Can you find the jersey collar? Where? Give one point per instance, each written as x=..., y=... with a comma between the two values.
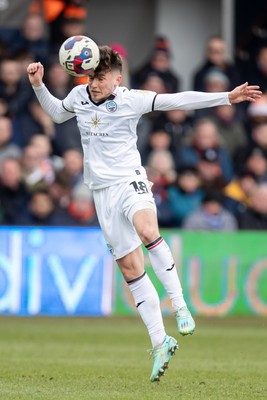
x=111, y=97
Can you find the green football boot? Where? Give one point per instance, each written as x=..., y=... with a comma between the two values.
x=185, y=322
x=161, y=355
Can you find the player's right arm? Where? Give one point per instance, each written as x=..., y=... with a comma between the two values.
x=49, y=103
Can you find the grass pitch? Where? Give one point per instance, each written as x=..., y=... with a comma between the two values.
x=105, y=358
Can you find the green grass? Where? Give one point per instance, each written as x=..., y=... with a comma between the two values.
x=94, y=358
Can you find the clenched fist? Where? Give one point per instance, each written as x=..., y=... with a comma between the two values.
x=36, y=73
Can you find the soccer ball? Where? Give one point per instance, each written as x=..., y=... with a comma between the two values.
x=79, y=55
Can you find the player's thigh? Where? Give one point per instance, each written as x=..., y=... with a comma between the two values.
x=146, y=225
x=138, y=196
x=141, y=210
x=119, y=233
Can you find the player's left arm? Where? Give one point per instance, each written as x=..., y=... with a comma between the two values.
x=191, y=100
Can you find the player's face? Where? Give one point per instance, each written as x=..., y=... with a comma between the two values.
x=102, y=85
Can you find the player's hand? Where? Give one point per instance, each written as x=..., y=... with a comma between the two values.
x=244, y=92
x=35, y=73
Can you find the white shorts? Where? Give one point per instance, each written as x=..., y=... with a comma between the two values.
x=115, y=207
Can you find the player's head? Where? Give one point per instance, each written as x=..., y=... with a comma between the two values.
x=107, y=76
x=110, y=60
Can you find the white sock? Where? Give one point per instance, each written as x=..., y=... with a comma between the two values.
x=147, y=302
x=163, y=264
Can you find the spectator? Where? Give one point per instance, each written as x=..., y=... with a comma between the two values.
x=7, y=148
x=258, y=70
x=255, y=217
x=237, y=194
x=205, y=152
x=216, y=56
x=159, y=139
x=211, y=216
x=154, y=82
x=231, y=128
x=41, y=211
x=71, y=27
x=33, y=37
x=210, y=170
x=161, y=162
x=57, y=14
x=185, y=194
x=257, y=144
x=10, y=85
x=256, y=162
x=73, y=166
x=161, y=172
x=44, y=148
x=24, y=57
x=17, y=94
x=159, y=63
x=257, y=112
x=214, y=81
x=178, y=123
x=13, y=194
x=12, y=15
x=37, y=172
x=81, y=207
x=60, y=190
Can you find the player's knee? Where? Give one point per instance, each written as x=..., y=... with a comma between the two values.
x=148, y=234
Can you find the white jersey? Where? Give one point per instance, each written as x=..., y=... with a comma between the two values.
x=108, y=128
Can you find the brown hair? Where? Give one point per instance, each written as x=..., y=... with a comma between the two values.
x=109, y=60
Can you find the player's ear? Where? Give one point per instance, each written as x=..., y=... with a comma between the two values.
x=118, y=79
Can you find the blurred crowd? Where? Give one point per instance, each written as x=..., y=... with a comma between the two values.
x=208, y=167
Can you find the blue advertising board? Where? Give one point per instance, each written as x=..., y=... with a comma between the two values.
x=55, y=271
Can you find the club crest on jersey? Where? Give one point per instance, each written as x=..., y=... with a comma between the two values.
x=111, y=106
